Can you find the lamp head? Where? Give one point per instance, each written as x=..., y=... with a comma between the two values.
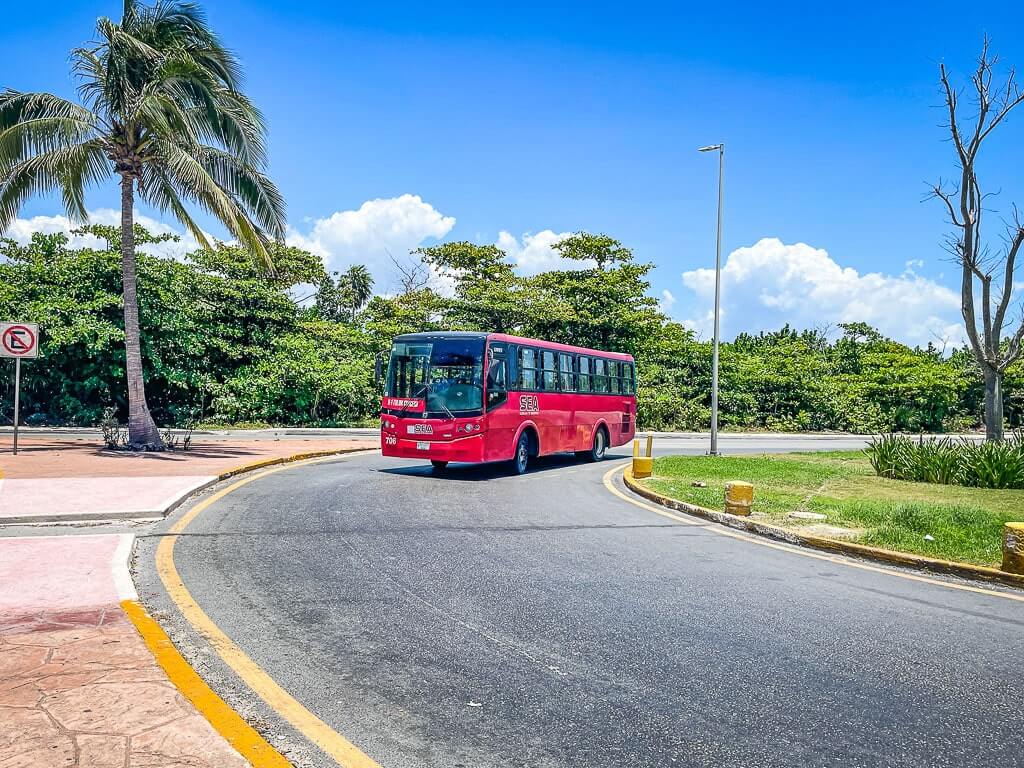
x=711, y=148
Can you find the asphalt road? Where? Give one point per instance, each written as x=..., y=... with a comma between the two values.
x=480, y=619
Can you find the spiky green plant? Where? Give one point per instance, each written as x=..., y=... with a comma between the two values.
x=162, y=110
x=997, y=464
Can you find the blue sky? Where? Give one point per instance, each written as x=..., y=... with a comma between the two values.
x=557, y=117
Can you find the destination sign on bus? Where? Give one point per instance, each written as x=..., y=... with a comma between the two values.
x=405, y=404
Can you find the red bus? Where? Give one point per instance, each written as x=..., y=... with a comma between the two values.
x=481, y=397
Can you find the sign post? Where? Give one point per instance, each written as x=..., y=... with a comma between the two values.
x=18, y=340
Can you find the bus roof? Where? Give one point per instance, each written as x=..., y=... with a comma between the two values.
x=429, y=335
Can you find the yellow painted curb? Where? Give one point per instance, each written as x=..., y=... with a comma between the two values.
x=343, y=751
x=264, y=463
x=920, y=562
x=228, y=723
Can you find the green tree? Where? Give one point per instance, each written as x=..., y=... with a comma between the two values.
x=489, y=295
x=201, y=320
x=359, y=283
x=164, y=113
x=606, y=306
x=320, y=373
x=341, y=295
x=286, y=267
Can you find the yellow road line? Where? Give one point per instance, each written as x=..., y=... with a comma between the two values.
x=344, y=752
x=763, y=542
x=228, y=723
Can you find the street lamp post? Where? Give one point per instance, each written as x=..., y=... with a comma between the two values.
x=718, y=294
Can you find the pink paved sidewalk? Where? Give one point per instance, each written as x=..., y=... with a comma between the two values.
x=78, y=687
x=87, y=498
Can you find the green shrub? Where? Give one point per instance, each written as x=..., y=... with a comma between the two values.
x=994, y=465
x=949, y=462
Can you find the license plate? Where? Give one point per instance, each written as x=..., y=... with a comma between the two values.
x=422, y=446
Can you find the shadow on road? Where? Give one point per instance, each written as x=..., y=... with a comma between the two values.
x=477, y=472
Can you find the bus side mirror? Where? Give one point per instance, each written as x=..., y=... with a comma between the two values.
x=378, y=370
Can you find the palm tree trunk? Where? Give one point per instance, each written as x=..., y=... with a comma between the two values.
x=142, y=432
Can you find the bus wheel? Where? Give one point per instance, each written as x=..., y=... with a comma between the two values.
x=598, y=449
x=522, y=457
x=439, y=466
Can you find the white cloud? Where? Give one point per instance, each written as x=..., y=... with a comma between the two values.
x=367, y=235
x=667, y=301
x=534, y=253
x=21, y=231
x=771, y=283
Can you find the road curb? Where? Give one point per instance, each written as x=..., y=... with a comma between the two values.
x=252, y=467
x=344, y=752
x=218, y=713
x=918, y=562
x=179, y=499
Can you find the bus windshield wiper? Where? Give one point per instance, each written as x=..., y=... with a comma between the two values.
x=405, y=409
x=428, y=388
x=446, y=410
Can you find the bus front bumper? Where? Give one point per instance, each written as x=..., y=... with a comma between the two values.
x=469, y=449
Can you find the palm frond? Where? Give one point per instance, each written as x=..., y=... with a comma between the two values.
x=165, y=109
x=253, y=189
x=190, y=177
x=47, y=172
x=157, y=189
x=82, y=168
x=170, y=25
x=38, y=123
x=18, y=106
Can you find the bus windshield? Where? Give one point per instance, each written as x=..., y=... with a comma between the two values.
x=447, y=373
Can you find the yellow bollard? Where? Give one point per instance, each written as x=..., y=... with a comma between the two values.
x=739, y=497
x=1013, y=548
x=643, y=466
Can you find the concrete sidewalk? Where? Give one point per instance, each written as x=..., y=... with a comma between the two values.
x=56, y=480
x=78, y=686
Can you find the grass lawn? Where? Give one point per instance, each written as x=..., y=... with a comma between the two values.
x=965, y=523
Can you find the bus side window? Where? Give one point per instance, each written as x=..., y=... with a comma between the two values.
x=527, y=369
x=565, y=373
x=549, y=364
x=614, y=374
x=497, y=386
x=628, y=382
x=600, y=375
x=583, y=380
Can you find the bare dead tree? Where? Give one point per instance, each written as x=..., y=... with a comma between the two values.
x=987, y=275
x=940, y=341
x=413, y=274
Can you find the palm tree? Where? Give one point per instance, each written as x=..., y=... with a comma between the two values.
x=359, y=284
x=162, y=111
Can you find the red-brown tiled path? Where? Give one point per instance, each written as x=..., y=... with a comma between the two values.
x=78, y=687
x=41, y=457
x=55, y=480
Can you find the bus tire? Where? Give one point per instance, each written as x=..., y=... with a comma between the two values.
x=521, y=458
x=599, y=447
x=439, y=466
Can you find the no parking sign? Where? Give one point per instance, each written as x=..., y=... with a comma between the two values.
x=18, y=340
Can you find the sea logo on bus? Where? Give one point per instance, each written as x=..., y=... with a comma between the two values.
x=529, y=404
x=421, y=429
